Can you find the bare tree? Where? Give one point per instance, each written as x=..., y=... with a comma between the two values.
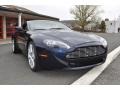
x=85, y=14
x=102, y=26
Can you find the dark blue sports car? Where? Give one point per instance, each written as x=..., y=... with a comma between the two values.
x=50, y=44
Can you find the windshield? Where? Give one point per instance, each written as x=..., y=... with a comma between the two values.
x=46, y=25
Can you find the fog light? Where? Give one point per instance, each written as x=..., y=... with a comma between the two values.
x=68, y=56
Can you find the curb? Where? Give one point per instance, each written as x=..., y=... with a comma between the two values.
x=5, y=43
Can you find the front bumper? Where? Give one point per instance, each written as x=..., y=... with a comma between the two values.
x=83, y=63
x=54, y=61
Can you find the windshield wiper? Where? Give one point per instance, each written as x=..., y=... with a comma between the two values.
x=40, y=29
x=56, y=28
x=49, y=29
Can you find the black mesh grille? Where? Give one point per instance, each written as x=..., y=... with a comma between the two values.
x=86, y=52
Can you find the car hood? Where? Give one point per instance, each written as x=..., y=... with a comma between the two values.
x=70, y=37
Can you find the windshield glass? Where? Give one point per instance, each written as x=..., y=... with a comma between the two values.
x=46, y=25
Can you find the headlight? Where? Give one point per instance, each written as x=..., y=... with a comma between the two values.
x=103, y=41
x=55, y=43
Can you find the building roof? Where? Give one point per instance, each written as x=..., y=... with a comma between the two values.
x=69, y=21
x=18, y=9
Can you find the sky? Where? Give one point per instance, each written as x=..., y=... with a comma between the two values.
x=61, y=8
x=63, y=12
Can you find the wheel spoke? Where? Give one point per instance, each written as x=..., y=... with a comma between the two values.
x=29, y=56
x=13, y=45
x=31, y=48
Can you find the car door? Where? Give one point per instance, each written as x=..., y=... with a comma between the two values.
x=22, y=38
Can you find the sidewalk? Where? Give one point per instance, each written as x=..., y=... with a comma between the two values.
x=7, y=41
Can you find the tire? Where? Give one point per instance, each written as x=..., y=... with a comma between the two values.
x=15, y=48
x=33, y=57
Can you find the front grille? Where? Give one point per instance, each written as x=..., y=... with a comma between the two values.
x=86, y=52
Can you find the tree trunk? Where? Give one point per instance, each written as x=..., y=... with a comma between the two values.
x=83, y=27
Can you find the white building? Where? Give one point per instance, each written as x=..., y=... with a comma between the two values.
x=113, y=26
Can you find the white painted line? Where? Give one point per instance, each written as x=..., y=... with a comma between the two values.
x=91, y=75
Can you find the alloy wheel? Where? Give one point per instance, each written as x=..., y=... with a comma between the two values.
x=31, y=56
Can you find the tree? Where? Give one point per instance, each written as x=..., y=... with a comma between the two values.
x=85, y=14
x=103, y=26
x=97, y=23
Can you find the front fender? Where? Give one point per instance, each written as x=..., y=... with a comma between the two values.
x=38, y=41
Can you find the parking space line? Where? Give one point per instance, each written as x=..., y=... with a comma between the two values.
x=91, y=75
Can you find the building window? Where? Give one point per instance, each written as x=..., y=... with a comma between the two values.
x=119, y=29
x=10, y=25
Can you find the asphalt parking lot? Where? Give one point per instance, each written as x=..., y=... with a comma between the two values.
x=14, y=68
x=111, y=76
